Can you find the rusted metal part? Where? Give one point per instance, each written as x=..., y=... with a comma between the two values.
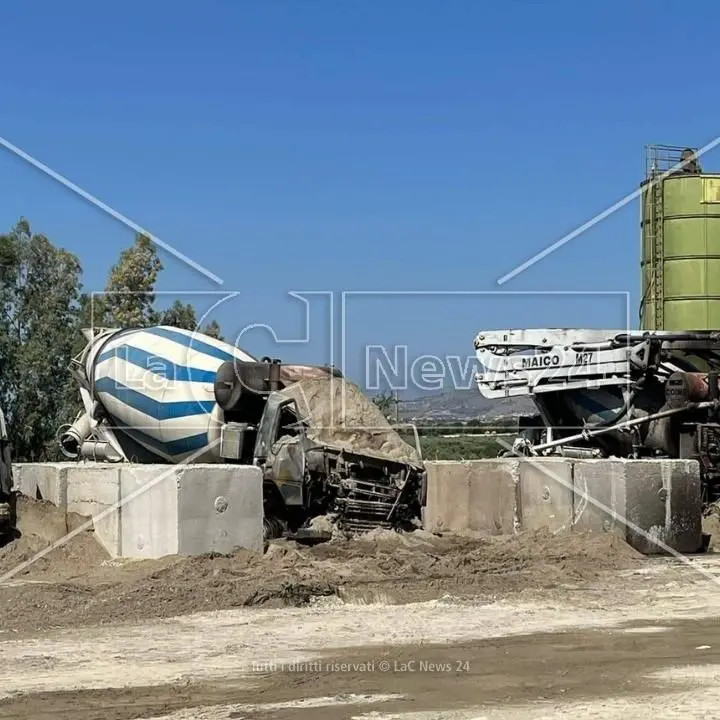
x=689, y=387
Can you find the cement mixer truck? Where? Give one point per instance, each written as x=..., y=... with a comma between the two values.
x=166, y=395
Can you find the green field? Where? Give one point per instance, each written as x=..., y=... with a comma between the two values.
x=463, y=441
x=468, y=447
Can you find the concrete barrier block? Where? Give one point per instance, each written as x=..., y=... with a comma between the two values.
x=545, y=494
x=663, y=501
x=448, y=497
x=685, y=533
x=644, y=501
x=190, y=510
x=599, y=495
x=42, y=481
x=148, y=527
x=23, y=481
x=220, y=509
x=645, y=505
x=477, y=495
x=492, y=496
x=93, y=490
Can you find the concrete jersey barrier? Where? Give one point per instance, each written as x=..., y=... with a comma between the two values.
x=149, y=511
x=644, y=501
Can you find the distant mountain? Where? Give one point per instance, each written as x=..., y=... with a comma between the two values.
x=463, y=405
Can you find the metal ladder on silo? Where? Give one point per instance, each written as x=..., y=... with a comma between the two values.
x=659, y=160
x=658, y=275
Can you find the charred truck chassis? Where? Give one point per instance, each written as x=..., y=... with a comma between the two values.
x=304, y=478
x=611, y=393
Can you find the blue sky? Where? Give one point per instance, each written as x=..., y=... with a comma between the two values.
x=357, y=146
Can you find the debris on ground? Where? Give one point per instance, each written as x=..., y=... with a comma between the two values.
x=78, y=582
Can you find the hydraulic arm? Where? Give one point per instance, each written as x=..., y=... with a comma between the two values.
x=603, y=393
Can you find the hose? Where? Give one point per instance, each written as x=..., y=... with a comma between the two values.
x=587, y=434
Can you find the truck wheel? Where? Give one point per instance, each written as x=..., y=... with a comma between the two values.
x=272, y=528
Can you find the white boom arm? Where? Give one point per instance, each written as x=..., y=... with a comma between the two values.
x=527, y=362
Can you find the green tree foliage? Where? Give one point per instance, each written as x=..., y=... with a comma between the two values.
x=468, y=447
x=179, y=315
x=92, y=313
x=131, y=286
x=40, y=301
x=386, y=402
x=212, y=329
x=463, y=440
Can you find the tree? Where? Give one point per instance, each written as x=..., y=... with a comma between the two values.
x=179, y=315
x=10, y=270
x=39, y=297
x=131, y=285
x=212, y=329
x=387, y=404
x=92, y=313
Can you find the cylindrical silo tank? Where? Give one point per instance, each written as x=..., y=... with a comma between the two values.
x=157, y=385
x=680, y=255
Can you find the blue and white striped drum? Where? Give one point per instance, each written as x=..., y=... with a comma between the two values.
x=157, y=385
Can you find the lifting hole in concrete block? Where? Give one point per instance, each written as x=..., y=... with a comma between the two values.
x=545, y=494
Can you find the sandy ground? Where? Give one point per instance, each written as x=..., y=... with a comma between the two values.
x=404, y=627
x=78, y=583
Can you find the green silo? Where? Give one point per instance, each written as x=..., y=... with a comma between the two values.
x=680, y=258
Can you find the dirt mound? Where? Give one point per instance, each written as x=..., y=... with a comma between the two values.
x=340, y=414
x=41, y=525
x=76, y=583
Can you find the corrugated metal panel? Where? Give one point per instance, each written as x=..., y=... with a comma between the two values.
x=681, y=254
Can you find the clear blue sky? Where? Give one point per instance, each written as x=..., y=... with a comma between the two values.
x=336, y=145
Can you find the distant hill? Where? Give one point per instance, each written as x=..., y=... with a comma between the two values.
x=463, y=405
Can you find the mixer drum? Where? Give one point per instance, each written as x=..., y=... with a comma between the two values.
x=157, y=387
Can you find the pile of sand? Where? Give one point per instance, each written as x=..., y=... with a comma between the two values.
x=77, y=583
x=340, y=414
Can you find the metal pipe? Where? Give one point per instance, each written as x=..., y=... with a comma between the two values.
x=99, y=451
x=581, y=453
x=628, y=338
x=587, y=434
x=274, y=375
x=72, y=439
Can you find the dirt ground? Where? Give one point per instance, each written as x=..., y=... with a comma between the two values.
x=406, y=627
x=78, y=583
